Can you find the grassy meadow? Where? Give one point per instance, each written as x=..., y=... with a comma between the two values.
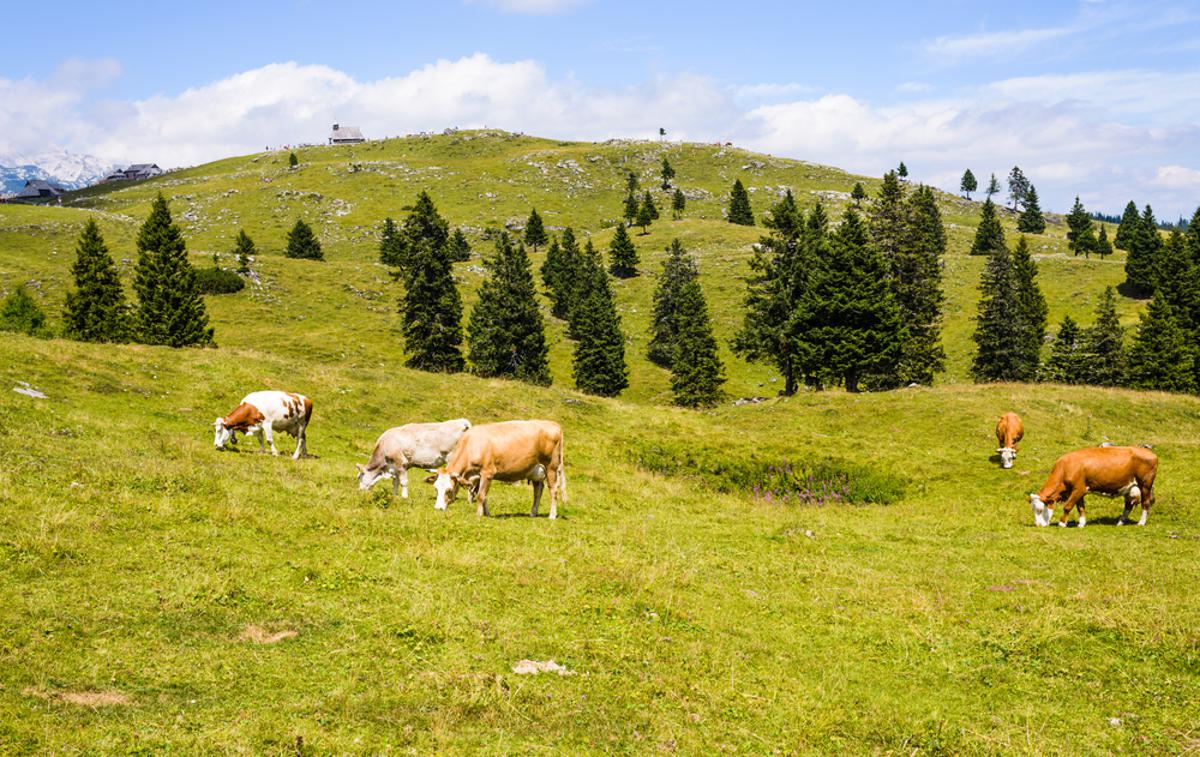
x=158, y=596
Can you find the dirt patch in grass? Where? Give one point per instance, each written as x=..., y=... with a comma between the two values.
x=81, y=698
x=260, y=635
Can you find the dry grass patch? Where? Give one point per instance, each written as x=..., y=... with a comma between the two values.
x=81, y=698
x=260, y=635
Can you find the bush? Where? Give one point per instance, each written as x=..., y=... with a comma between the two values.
x=218, y=281
x=20, y=312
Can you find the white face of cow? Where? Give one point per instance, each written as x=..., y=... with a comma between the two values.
x=1041, y=513
x=1008, y=456
x=368, y=478
x=446, y=486
x=221, y=435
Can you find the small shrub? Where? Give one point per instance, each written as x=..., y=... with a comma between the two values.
x=218, y=281
x=20, y=312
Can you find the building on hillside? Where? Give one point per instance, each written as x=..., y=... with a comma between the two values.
x=345, y=135
x=135, y=172
x=38, y=191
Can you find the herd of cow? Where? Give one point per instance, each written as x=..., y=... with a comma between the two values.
x=459, y=455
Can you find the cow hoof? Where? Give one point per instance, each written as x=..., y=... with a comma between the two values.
x=1062, y=523
x=1082, y=523
x=1120, y=522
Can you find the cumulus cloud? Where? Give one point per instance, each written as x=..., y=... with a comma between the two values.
x=955, y=46
x=1177, y=177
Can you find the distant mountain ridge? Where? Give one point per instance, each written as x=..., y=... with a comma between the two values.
x=61, y=167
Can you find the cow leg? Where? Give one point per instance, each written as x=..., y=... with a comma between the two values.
x=301, y=446
x=1147, y=500
x=1129, y=502
x=270, y=436
x=481, y=508
x=1076, y=496
x=538, y=486
x=403, y=480
x=552, y=481
x=262, y=445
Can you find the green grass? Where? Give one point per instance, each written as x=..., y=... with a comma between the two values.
x=695, y=616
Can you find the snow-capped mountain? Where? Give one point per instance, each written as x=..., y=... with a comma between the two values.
x=62, y=167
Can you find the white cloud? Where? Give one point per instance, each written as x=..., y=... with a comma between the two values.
x=914, y=87
x=1177, y=177
x=531, y=6
x=768, y=91
x=955, y=46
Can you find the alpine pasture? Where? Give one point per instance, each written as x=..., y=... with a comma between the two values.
x=157, y=595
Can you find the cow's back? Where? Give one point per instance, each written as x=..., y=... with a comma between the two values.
x=1009, y=429
x=1108, y=469
x=507, y=448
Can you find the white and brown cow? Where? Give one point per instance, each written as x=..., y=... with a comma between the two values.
x=264, y=413
x=1111, y=471
x=413, y=445
x=1009, y=431
x=508, y=451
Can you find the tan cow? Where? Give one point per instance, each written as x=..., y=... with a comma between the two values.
x=1111, y=471
x=1009, y=431
x=508, y=451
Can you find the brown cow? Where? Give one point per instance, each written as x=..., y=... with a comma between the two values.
x=508, y=451
x=1127, y=471
x=1009, y=431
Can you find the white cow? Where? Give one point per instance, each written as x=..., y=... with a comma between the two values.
x=263, y=413
x=414, y=445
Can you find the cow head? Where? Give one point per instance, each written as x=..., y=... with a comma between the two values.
x=446, y=484
x=1041, y=513
x=222, y=435
x=1008, y=456
x=368, y=477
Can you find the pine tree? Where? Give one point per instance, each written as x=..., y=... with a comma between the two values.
x=1191, y=238
x=460, y=248
x=1162, y=357
x=678, y=270
x=623, y=255
x=505, y=332
x=1177, y=283
x=581, y=281
x=645, y=216
x=1032, y=310
x=391, y=247
x=858, y=194
x=1080, y=238
x=989, y=235
x=993, y=187
x=95, y=310
x=1141, y=264
x=20, y=313
x=631, y=182
x=648, y=202
x=422, y=224
x=170, y=308
x=999, y=333
x=599, y=361
x=697, y=374
x=293, y=161
x=850, y=314
x=968, y=184
x=302, y=243
x=1018, y=187
x=1032, y=221
x=739, y=205
x=560, y=272
x=1103, y=247
x=1102, y=354
x=678, y=204
x=668, y=173
x=887, y=220
x=535, y=233
x=902, y=171
x=630, y=212
x=431, y=311
x=1063, y=367
x=917, y=285
x=1130, y=220
x=243, y=250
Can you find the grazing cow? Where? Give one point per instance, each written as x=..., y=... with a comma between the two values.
x=1009, y=431
x=264, y=413
x=509, y=451
x=421, y=445
x=1111, y=471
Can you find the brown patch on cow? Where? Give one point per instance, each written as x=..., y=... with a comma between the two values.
x=81, y=698
x=260, y=635
x=243, y=417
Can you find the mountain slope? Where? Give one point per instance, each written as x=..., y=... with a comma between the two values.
x=62, y=168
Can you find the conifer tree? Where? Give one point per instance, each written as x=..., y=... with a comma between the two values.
x=1063, y=365
x=668, y=173
x=551, y=271
x=887, y=220
x=1177, y=283
x=631, y=182
x=20, y=313
x=1141, y=264
x=293, y=161
x=697, y=374
x=645, y=216
x=678, y=269
x=858, y=194
x=460, y=248
x=999, y=332
x=1103, y=247
x=1018, y=186
x=1102, y=354
x=302, y=243
x=431, y=311
x=560, y=273
x=993, y=187
x=630, y=212
x=1130, y=220
x=917, y=285
x=1032, y=310
x=1031, y=221
x=850, y=315
x=422, y=224
x=599, y=361
x=678, y=204
x=968, y=184
x=505, y=332
x=1080, y=237
x=243, y=250
x=1191, y=238
x=739, y=205
x=95, y=310
x=582, y=279
x=989, y=235
x=1162, y=356
x=170, y=308
x=648, y=201
x=535, y=232
x=391, y=252
x=623, y=255
x=902, y=171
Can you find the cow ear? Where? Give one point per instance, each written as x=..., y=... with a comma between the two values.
x=431, y=478
x=361, y=468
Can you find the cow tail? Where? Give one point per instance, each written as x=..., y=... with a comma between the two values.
x=562, y=466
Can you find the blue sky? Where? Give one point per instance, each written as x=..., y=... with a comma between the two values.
x=1096, y=98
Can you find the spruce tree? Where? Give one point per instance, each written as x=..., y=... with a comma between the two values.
x=1162, y=356
x=422, y=224
x=850, y=313
x=993, y=187
x=460, y=248
x=668, y=173
x=560, y=273
x=293, y=161
x=697, y=374
x=902, y=171
x=1103, y=247
x=888, y=220
x=1177, y=283
x=678, y=204
x=599, y=361
x=630, y=212
x=739, y=205
x=989, y=235
x=1063, y=365
x=20, y=313
x=431, y=311
x=648, y=201
x=95, y=309
x=1130, y=220
x=645, y=216
x=535, y=233
x=1018, y=186
x=678, y=269
x=1141, y=264
x=1102, y=353
x=917, y=286
x=1031, y=221
x=1191, y=238
x=999, y=332
x=302, y=244
x=170, y=308
x=623, y=255
x=968, y=184
x=243, y=250
x=391, y=248
x=582, y=280
x=631, y=182
x=1032, y=310
x=505, y=332
x=1080, y=238
x=858, y=194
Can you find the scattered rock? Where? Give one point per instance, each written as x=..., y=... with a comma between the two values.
x=748, y=401
x=533, y=667
x=260, y=635
x=1114, y=722
x=29, y=391
x=810, y=534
